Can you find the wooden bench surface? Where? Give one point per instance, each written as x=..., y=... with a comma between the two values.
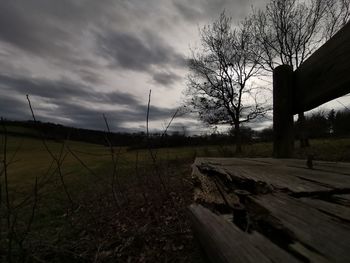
x=286, y=213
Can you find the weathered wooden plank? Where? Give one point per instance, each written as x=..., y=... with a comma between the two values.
x=223, y=162
x=323, y=233
x=281, y=174
x=343, y=199
x=230, y=199
x=205, y=190
x=325, y=75
x=316, y=176
x=336, y=210
x=332, y=180
x=311, y=256
x=212, y=191
x=337, y=167
x=317, y=226
x=323, y=173
x=224, y=242
x=333, y=167
x=256, y=177
x=279, y=179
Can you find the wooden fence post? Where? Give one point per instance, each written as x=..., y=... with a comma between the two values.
x=283, y=84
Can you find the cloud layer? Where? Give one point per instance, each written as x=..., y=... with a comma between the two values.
x=79, y=59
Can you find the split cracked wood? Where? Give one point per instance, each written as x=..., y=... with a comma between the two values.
x=216, y=235
x=292, y=210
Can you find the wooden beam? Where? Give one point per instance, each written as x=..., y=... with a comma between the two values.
x=320, y=231
x=325, y=75
x=223, y=242
x=283, y=83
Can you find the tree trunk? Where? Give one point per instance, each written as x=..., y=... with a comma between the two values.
x=303, y=136
x=238, y=138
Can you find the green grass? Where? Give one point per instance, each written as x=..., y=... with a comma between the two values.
x=22, y=130
x=32, y=160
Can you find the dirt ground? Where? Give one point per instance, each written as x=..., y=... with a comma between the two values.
x=149, y=223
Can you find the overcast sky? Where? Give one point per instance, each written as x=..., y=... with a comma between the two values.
x=78, y=59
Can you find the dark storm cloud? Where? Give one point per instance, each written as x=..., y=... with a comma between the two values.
x=21, y=28
x=137, y=52
x=74, y=101
x=13, y=108
x=38, y=87
x=90, y=76
x=88, y=117
x=189, y=12
x=63, y=89
x=200, y=10
x=165, y=78
x=58, y=32
x=47, y=26
x=86, y=40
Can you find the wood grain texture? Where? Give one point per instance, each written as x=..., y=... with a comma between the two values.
x=223, y=242
x=343, y=199
x=319, y=231
x=289, y=210
x=297, y=180
x=325, y=75
x=205, y=190
x=329, y=208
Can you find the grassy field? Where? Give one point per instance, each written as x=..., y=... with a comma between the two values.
x=82, y=209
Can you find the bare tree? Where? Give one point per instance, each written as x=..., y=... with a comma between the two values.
x=289, y=31
x=337, y=16
x=221, y=70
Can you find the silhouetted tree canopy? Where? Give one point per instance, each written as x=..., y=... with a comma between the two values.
x=221, y=70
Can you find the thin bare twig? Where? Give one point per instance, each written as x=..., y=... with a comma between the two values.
x=57, y=160
x=115, y=179
x=166, y=128
x=7, y=196
x=152, y=154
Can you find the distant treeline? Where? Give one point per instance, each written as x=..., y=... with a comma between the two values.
x=58, y=132
x=331, y=123
x=319, y=125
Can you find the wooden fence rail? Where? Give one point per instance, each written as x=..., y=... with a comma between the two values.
x=324, y=76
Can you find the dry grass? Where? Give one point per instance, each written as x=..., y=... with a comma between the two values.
x=149, y=223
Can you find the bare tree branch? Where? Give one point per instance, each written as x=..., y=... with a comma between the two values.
x=220, y=72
